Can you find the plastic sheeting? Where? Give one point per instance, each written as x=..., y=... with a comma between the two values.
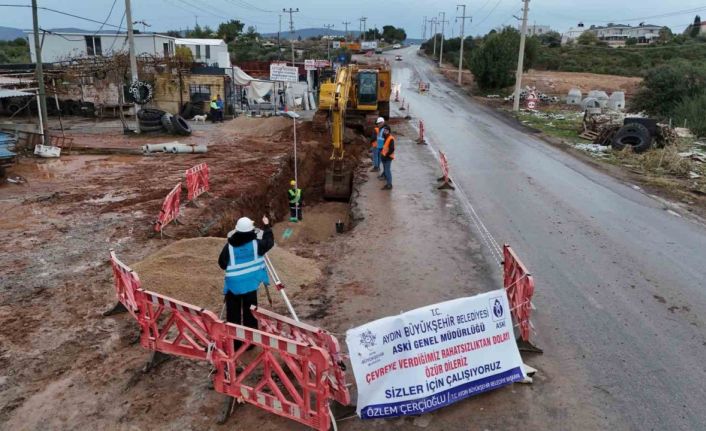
x=256, y=88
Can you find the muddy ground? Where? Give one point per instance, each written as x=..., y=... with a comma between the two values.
x=63, y=365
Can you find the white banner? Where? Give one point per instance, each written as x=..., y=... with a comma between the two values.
x=336, y=44
x=310, y=64
x=428, y=358
x=282, y=72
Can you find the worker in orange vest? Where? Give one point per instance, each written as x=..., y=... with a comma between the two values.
x=387, y=155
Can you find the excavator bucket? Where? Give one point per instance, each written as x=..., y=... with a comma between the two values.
x=339, y=183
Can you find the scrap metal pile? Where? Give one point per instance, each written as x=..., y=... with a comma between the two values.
x=639, y=133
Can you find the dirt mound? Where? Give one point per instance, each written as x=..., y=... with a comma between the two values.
x=188, y=270
x=259, y=127
x=318, y=224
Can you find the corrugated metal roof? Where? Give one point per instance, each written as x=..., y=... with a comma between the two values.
x=13, y=93
x=200, y=42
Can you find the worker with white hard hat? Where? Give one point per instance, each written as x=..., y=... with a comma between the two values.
x=376, y=143
x=242, y=258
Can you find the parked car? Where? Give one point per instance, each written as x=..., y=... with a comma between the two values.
x=378, y=50
x=396, y=46
x=398, y=58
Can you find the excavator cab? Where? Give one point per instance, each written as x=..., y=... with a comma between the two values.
x=367, y=90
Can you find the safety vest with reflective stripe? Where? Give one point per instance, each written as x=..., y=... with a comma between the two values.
x=295, y=195
x=386, y=148
x=245, y=270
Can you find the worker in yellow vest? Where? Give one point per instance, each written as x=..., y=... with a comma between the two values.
x=294, y=195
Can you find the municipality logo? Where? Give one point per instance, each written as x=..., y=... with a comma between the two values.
x=498, y=309
x=367, y=339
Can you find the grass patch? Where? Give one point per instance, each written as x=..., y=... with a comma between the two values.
x=554, y=122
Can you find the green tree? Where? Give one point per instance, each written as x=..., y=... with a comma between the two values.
x=587, y=38
x=493, y=63
x=631, y=41
x=392, y=34
x=667, y=85
x=373, y=34
x=200, y=32
x=551, y=39
x=665, y=35
x=230, y=30
x=691, y=110
x=695, y=27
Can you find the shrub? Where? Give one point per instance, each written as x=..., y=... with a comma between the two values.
x=666, y=86
x=692, y=109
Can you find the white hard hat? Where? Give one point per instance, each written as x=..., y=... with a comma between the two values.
x=380, y=120
x=244, y=224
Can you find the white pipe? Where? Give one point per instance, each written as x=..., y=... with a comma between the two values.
x=41, y=123
x=174, y=148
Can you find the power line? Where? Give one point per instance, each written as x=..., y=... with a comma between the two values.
x=487, y=16
x=60, y=13
x=110, y=12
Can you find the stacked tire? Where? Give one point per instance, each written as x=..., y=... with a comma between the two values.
x=633, y=135
x=156, y=120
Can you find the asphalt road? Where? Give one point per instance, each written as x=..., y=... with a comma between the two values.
x=621, y=281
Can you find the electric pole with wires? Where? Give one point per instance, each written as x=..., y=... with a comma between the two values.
x=441, y=49
x=362, y=20
x=463, y=19
x=41, y=95
x=133, y=59
x=345, y=35
x=433, y=29
x=328, y=40
x=291, y=13
x=520, y=58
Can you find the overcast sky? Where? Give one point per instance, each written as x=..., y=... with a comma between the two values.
x=264, y=14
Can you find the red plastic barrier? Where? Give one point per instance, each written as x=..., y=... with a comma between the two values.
x=197, y=181
x=126, y=283
x=287, y=378
x=444, y=162
x=292, y=373
x=175, y=327
x=421, y=132
x=170, y=208
x=519, y=285
x=313, y=336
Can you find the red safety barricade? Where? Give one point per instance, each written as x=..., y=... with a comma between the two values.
x=313, y=336
x=519, y=285
x=292, y=375
x=421, y=140
x=174, y=327
x=197, y=181
x=287, y=377
x=126, y=283
x=170, y=208
x=444, y=162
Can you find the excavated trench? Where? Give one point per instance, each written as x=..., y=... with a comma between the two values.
x=313, y=153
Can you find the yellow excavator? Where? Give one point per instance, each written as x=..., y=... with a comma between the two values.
x=355, y=97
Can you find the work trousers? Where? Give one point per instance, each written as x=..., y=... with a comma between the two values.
x=387, y=170
x=295, y=211
x=238, y=309
x=214, y=115
x=376, y=157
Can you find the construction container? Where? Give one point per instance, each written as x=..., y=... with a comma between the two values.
x=574, y=97
x=616, y=102
x=600, y=96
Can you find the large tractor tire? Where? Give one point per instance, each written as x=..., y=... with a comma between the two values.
x=634, y=135
x=181, y=127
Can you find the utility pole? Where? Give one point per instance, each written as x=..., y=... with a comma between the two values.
x=362, y=20
x=424, y=29
x=279, y=45
x=40, y=75
x=133, y=59
x=328, y=40
x=520, y=58
x=291, y=27
x=463, y=19
x=441, y=50
x=433, y=26
x=345, y=36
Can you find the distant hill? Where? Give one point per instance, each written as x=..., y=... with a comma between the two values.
x=306, y=33
x=9, y=33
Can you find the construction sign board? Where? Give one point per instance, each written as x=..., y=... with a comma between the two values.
x=428, y=358
x=282, y=72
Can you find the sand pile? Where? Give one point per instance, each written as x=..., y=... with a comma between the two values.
x=260, y=127
x=188, y=270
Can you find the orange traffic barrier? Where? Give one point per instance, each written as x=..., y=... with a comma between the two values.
x=444, y=162
x=197, y=181
x=170, y=209
x=519, y=286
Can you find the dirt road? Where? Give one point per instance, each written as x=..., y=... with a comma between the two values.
x=620, y=278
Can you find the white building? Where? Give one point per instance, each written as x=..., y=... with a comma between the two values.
x=59, y=46
x=617, y=35
x=213, y=52
x=536, y=30
x=572, y=33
